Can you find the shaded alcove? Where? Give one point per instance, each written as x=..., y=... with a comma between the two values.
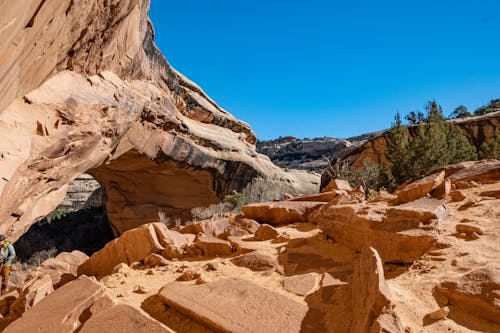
x=137, y=188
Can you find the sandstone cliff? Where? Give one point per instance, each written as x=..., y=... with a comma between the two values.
x=83, y=88
x=477, y=129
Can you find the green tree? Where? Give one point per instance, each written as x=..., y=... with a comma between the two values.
x=491, y=149
x=435, y=144
x=460, y=112
x=415, y=117
x=434, y=111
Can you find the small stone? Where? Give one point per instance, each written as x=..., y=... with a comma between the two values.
x=211, y=266
x=265, y=232
x=442, y=313
x=454, y=262
x=156, y=260
x=150, y=272
x=121, y=268
x=282, y=249
x=202, y=278
x=140, y=290
x=123, y=294
x=474, y=236
x=302, y=285
x=188, y=275
x=469, y=229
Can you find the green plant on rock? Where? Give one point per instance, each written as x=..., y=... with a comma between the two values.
x=235, y=200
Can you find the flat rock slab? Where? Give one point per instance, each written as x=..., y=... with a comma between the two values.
x=59, y=311
x=419, y=188
x=303, y=284
x=122, y=318
x=320, y=197
x=283, y=212
x=235, y=305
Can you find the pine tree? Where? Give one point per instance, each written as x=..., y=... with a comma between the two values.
x=491, y=149
x=398, y=150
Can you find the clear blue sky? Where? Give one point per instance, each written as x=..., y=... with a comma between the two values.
x=333, y=68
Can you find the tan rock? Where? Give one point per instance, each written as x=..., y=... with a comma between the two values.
x=213, y=247
x=133, y=245
x=476, y=294
x=457, y=195
x=265, y=232
x=439, y=314
x=118, y=318
x=302, y=285
x=175, y=244
x=399, y=233
x=485, y=172
x=320, y=197
x=59, y=311
x=255, y=261
x=278, y=213
x=188, y=275
x=337, y=184
x=442, y=191
x=32, y=293
x=232, y=305
x=419, y=188
x=155, y=260
x=222, y=227
x=469, y=229
x=202, y=278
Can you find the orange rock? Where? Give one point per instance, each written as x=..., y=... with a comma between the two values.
x=399, y=233
x=155, y=260
x=213, y=247
x=133, y=245
x=475, y=294
x=303, y=284
x=442, y=191
x=265, y=232
x=337, y=184
x=485, y=172
x=108, y=316
x=320, y=197
x=255, y=261
x=419, y=188
x=60, y=311
x=222, y=227
x=457, y=195
x=175, y=244
x=235, y=305
x=31, y=294
x=277, y=213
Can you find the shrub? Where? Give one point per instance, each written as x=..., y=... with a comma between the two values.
x=491, y=149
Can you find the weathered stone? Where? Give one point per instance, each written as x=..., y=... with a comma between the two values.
x=188, y=275
x=222, y=227
x=485, y=172
x=419, y=188
x=133, y=245
x=232, y=305
x=60, y=311
x=302, y=285
x=32, y=293
x=320, y=197
x=155, y=260
x=277, y=213
x=442, y=191
x=469, y=229
x=109, y=316
x=265, y=232
x=255, y=261
x=213, y=247
x=399, y=233
x=337, y=184
x=439, y=314
x=457, y=195
x=476, y=294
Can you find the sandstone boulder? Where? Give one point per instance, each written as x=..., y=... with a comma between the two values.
x=419, y=188
x=278, y=213
x=175, y=244
x=233, y=305
x=476, y=294
x=399, y=233
x=222, y=227
x=134, y=245
x=61, y=310
x=213, y=247
x=337, y=184
x=155, y=260
x=320, y=197
x=265, y=232
x=108, y=316
x=31, y=294
x=484, y=172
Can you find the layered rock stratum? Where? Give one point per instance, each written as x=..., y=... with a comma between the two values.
x=83, y=88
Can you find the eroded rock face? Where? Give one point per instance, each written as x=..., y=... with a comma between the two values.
x=84, y=88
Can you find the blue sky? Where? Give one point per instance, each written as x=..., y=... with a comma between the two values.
x=333, y=68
